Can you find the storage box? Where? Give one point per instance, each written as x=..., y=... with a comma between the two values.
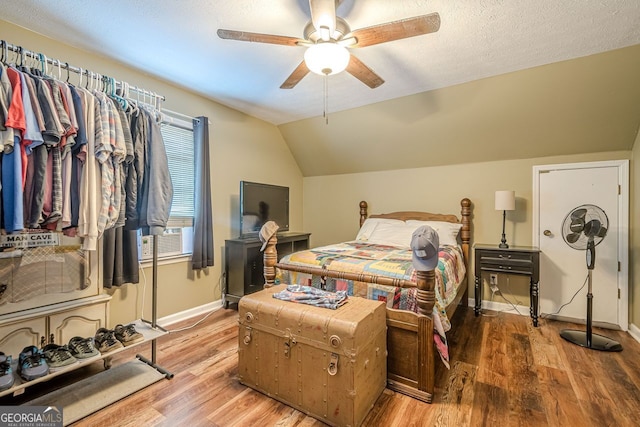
x=330, y=364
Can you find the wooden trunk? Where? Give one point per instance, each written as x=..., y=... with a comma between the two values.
x=330, y=364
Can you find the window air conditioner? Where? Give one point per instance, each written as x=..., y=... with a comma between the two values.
x=169, y=244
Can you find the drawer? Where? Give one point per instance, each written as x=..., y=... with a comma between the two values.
x=505, y=258
x=513, y=262
x=512, y=269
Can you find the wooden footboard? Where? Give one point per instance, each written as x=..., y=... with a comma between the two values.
x=411, y=350
x=410, y=370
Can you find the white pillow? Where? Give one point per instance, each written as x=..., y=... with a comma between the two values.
x=393, y=234
x=370, y=224
x=447, y=231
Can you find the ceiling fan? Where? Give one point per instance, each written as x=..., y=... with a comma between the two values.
x=328, y=36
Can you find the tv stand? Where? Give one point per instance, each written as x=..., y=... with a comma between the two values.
x=244, y=263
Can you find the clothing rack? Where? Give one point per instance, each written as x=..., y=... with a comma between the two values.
x=125, y=89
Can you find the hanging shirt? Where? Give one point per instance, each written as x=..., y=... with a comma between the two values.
x=76, y=163
x=90, y=181
x=35, y=105
x=103, y=150
x=66, y=155
x=12, y=159
x=126, y=164
x=5, y=97
x=53, y=128
x=32, y=135
x=135, y=176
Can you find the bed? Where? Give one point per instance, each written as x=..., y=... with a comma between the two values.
x=412, y=350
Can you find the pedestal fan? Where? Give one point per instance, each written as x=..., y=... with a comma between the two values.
x=583, y=229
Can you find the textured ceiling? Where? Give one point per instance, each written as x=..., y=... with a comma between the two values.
x=177, y=41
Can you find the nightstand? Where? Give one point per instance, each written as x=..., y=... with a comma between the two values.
x=518, y=260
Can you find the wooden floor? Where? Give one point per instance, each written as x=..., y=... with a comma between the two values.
x=504, y=372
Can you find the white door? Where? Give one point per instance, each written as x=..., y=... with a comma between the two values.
x=558, y=189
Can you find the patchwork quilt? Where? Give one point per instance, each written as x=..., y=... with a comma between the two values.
x=392, y=261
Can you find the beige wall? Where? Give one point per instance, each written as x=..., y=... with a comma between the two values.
x=584, y=105
x=634, y=255
x=331, y=202
x=241, y=146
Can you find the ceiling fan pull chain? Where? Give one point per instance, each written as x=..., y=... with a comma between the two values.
x=326, y=99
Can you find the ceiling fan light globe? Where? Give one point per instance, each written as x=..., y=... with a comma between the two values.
x=326, y=59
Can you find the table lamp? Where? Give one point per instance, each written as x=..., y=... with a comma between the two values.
x=505, y=201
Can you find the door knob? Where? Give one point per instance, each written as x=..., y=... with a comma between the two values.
x=547, y=233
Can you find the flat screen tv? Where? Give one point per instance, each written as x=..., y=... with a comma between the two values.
x=260, y=203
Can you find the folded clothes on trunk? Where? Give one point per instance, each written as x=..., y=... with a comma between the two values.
x=312, y=296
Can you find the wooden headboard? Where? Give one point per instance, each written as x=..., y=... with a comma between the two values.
x=465, y=212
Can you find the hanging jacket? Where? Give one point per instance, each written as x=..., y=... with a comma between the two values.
x=159, y=189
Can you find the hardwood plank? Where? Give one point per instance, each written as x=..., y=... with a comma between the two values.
x=490, y=405
x=399, y=411
x=466, y=336
x=525, y=403
x=561, y=404
x=455, y=406
x=493, y=355
x=144, y=416
x=503, y=372
x=291, y=417
x=544, y=345
x=619, y=386
x=377, y=415
x=588, y=382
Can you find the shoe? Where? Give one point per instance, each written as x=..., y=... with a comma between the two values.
x=6, y=372
x=106, y=340
x=83, y=348
x=128, y=335
x=32, y=364
x=58, y=357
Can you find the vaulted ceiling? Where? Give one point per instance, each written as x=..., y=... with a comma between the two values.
x=497, y=80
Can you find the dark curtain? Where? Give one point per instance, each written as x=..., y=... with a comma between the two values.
x=203, y=229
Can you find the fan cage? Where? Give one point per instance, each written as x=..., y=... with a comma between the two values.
x=571, y=226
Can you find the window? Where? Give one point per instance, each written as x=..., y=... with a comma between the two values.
x=179, y=144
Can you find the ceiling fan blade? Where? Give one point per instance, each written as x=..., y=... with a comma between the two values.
x=397, y=30
x=347, y=42
x=259, y=38
x=295, y=77
x=363, y=73
x=323, y=16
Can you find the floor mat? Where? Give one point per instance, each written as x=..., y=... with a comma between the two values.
x=98, y=391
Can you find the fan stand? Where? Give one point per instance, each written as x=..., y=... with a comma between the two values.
x=586, y=338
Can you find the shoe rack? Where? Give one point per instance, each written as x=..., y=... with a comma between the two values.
x=21, y=385
x=91, y=394
x=60, y=322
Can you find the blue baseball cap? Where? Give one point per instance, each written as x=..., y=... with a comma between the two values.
x=425, y=245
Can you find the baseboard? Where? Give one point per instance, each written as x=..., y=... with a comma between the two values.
x=190, y=313
x=634, y=331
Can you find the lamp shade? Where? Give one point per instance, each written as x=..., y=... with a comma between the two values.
x=505, y=200
x=326, y=58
